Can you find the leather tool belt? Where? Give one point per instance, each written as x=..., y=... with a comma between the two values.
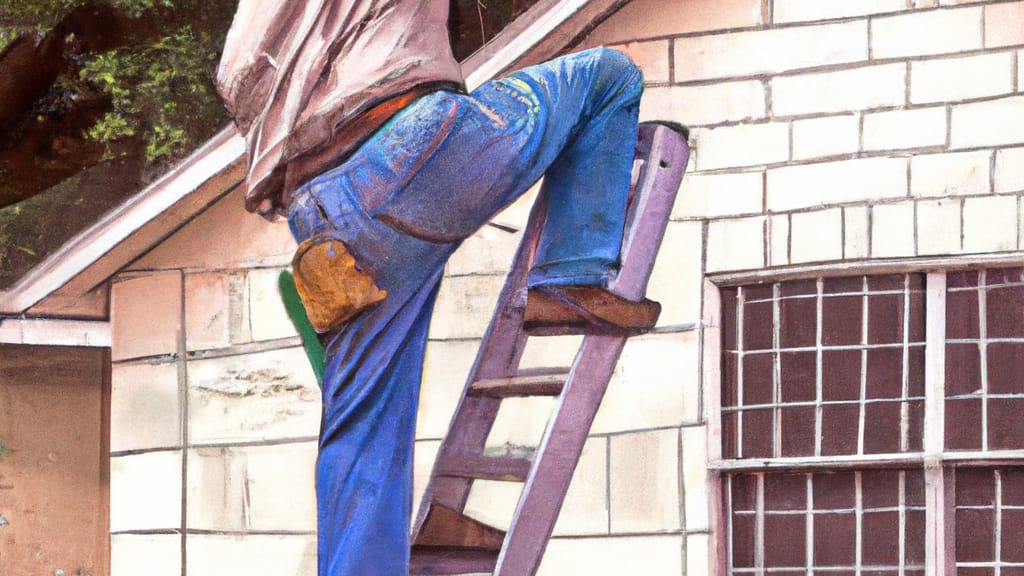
x=332, y=286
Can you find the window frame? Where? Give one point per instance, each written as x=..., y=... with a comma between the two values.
x=939, y=466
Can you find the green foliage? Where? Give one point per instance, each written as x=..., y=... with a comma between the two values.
x=315, y=352
x=4, y=451
x=48, y=12
x=157, y=90
x=159, y=82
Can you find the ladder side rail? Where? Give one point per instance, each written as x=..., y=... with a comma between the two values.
x=557, y=456
x=498, y=357
x=666, y=152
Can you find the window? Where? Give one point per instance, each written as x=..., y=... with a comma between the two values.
x=873, y=425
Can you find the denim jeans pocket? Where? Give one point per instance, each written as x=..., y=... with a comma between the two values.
x=449, y=165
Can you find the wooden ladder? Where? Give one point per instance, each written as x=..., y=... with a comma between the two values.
x=445, y=540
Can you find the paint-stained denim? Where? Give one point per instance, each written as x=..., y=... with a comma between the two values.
x=402, y=203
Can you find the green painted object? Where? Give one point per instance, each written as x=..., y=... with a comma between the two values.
x=292, y=303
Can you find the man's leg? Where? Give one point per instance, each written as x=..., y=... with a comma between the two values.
x=572, y=120
x=370, y=389
x=435, y=173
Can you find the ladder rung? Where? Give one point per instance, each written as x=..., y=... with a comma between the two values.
x=430, y=561
x=446, y=529
x=541, y=383
x=505, y=468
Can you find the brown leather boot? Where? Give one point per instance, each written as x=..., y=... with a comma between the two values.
x=554, y=310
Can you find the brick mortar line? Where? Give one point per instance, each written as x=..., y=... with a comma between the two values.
x=992, y=170
x=914, y=214
x=154, y=532
x=183, y=402
x=144, y=451
x=845, y=205
x=895, y=154
x=808, y=23
x=850, y=65
x=1017, y=224
x=766, y=238
x=671, y=59
x=245, y=349
x=1015, y=70
x=638, y=534
x=984, y=33
x=227, y=352
x=609, y=435
x=202, y=532
x=784, y=118
x=907, y=82
x=681, y=481
x=198, y=270
x=607, y=480
x=963, y=205
x=871, y=265
x=296, y=440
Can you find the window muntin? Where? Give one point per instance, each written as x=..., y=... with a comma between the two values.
x=826, y=367
x=985, y=360
x=966, y=368
x=990, y=521
x=871, y=522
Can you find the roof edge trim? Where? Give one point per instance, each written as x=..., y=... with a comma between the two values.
x=227, y=147
x=77, y=254
x=41, y=331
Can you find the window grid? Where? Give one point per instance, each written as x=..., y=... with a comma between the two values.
x=984, y=314
x=783, y=417
x=995, y=515
x=942, y=464
x=769, y=531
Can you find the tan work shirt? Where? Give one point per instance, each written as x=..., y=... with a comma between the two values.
x=295, y=74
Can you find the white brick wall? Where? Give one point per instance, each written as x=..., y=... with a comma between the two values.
x=938, y=227
x=861, y=88
x=807, y=10
x=736, y=244
x=701, y=105
x=934, y=32
x=919, y=128
x=892, y=230
x=816, y=236
x=824, y=131
x=827, y=136
x=951, y=174
x=840, y=182
x=1004, y=24
x=990, y=224
x=1009, y=172
x=856, y=228
x=767, y=51
x=993, y=123
x=961, y=78
x=744, y=145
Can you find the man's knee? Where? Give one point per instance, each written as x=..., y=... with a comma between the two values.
x=618, y=67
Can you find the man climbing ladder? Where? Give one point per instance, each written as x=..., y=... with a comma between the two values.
x=359, y=131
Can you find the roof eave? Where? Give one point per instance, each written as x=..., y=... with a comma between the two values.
x=548, y=28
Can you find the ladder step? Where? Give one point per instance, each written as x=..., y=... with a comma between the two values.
x=506, y=468
x=446, y=529
x=430, y=561
x=544, y=382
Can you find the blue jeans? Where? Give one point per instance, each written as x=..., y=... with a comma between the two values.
x=402, y=203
